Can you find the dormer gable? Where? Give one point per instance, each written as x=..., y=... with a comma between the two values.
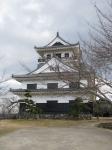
x=54, y=65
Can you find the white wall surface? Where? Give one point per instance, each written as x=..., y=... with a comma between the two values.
x=43, y=84
x=59, y=98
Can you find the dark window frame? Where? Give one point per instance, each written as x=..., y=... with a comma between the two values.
x=52, y=86
x=74, y=85
x=66, y=55
x=48, y=56
x=58, y=55
x=32, y=86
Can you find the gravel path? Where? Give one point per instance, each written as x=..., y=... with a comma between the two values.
x=73, y=138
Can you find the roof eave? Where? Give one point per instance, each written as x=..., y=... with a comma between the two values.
x=56, y=47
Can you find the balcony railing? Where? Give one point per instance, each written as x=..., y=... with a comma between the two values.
x=42, y=60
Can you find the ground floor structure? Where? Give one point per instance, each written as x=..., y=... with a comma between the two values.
x=56, y=101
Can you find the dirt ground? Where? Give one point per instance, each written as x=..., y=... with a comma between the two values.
x=85, y=136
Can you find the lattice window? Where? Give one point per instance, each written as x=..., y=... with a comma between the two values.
x=74, y=85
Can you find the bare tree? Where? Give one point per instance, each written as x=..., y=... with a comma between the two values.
x=6, y=106
x=9, y=105
x=99, y=47
x=98, y=51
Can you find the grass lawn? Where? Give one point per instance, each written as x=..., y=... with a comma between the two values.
x=7, y=126
x=38, y=123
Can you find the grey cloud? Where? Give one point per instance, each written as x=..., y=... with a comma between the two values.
x=25, y=23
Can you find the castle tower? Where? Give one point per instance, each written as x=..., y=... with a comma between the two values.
x=56, y=82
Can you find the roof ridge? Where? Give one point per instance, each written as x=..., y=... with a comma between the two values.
x=57, y=36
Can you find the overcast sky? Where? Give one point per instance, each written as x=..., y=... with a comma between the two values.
x=25, y=23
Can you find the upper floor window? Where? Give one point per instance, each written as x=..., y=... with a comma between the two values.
x=74, y=85
x=66, y=55
x=31, y=86
x=52, y=85
x=58, y=55
x=48, y=56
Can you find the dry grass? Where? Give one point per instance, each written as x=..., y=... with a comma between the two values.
x=107, y=125
x=6, y=131
x=7, y=126
x=41, y=123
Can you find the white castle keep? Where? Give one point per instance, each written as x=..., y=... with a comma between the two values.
x=58, y=77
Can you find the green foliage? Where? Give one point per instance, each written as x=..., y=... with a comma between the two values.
x=28, y=95
x=76, y=107
x=102, y=108
x=31, y=109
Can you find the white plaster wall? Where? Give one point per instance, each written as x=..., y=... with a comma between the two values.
x=60, y=98
x=45, y=98
x=84, y=83
x=43, y=84
x=48, y=70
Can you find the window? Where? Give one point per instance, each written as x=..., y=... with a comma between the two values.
x=31, y=86
x=74, y=85
x=48, y=56
x=55, y=68
x=58, y=55
x=52, y=85
x=66, y=55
